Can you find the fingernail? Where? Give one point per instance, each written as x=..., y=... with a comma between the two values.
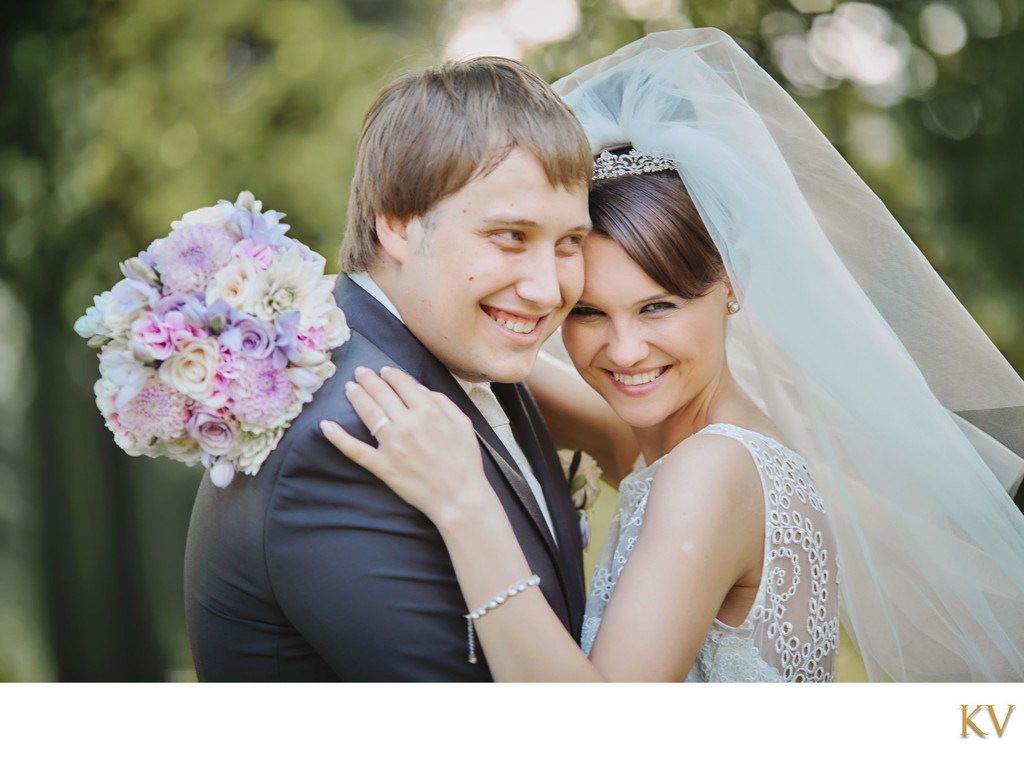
x=350, y=386
x=360, y=370
x=385, y=369
x=324, y=426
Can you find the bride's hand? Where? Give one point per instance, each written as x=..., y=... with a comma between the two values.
x=427, y=450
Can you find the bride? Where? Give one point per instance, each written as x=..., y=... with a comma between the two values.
x=811, y=406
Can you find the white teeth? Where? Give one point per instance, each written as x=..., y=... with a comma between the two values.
x=641, y=379
x=519, y=327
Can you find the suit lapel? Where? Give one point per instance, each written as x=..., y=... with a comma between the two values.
x=533, y=437
x=366, y=315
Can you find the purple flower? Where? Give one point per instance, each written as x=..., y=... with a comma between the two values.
x=262, y=393
x=287, y=338
x=132, y=294
x=156, y=412
x=188, y=257
x=220, y=315
x=213, y=432
x=189, y=306
x=248, y=337
x=262, y=229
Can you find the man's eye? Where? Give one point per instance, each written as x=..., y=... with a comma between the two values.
x=511, y=236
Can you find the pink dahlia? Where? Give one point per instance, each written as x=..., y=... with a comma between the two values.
x=261, y=393
x=156, y=412
x=190, y=256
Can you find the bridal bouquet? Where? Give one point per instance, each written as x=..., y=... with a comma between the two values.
x=214, y=340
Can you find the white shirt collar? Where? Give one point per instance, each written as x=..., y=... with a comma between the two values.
x=367, y=283
x=363, y=280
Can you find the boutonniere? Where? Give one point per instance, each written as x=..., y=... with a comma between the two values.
x=583, y=475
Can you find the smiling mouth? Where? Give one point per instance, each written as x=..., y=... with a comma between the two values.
x=516, y=323
x=638, y=378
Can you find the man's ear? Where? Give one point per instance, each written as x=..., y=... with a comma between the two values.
x=393, y=235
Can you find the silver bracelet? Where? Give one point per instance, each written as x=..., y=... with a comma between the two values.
x=479, y=612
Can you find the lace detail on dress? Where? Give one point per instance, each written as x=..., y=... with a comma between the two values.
x=792, y=630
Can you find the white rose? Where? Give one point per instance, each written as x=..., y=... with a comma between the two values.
x=192, y=370
x=336, y=327
x=233, y=283
x=212, y=215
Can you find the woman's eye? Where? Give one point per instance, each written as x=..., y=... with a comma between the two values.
x=581, y=312
x=658, y=307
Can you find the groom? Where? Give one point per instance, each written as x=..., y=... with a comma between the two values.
x=462, y=254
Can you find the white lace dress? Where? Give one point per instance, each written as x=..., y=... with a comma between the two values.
x=792, y=630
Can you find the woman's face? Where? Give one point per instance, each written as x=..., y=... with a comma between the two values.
x=648, y=352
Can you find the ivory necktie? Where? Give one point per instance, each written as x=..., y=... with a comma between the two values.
x=484, y=399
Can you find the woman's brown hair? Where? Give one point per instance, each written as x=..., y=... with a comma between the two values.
x=654, y=219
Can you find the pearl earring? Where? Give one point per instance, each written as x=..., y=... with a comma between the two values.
x=733, y=306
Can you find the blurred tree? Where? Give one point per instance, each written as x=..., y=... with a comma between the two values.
x=941, y=147
x=120, y=117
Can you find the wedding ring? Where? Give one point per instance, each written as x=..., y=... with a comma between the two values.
x=380, y=424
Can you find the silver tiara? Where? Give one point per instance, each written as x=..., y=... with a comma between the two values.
x=608, y=165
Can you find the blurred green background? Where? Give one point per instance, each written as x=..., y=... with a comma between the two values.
x=120, y=115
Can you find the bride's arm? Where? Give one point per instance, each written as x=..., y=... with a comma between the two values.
x=667, y=596
x=579, y=418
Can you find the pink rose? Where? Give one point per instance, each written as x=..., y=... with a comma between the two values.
x=151, y=336
x=181, y=331
x=314, y=339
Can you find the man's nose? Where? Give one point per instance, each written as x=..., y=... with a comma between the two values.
x=539, y=282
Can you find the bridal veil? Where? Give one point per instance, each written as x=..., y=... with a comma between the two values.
x=911, y=419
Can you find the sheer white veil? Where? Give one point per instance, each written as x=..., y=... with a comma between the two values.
x=912, y=421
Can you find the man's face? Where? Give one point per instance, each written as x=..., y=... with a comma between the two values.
x=486, y=277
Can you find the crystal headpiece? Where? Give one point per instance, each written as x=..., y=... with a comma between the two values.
x=608, y=165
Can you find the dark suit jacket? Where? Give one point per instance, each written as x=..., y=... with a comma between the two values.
x=314, y=570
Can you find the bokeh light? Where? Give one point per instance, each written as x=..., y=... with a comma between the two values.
x=943, y=29
x=512, y=28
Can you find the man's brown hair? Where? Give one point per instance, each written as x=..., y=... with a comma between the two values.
x=430, y=132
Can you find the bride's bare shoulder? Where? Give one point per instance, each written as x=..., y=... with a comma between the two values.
x=709, y=469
